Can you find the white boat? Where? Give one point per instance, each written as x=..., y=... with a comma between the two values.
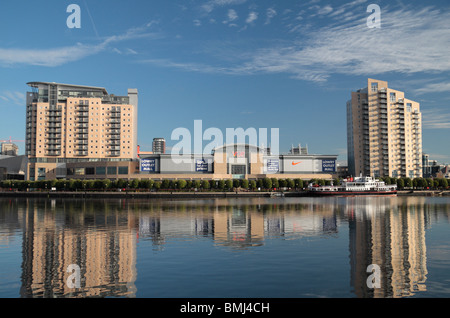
x=355, y=186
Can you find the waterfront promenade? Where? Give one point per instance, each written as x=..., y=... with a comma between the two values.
x=185, y=195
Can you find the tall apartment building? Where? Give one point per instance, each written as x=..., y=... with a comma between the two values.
x=159, y=145
x=76, y=124
x=384, y=133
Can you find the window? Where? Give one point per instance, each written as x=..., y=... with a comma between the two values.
x=100, y=170
x=90, y=171
x=112, y=170
x=408, y=107
x=123, y=170
x=374, y=87
x=392, y=97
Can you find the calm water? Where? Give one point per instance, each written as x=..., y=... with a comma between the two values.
x=225, y=248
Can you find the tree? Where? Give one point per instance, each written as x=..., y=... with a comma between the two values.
x=400, y=183
x=443, y=183
x=182, y=184
x=244, y=184
x=121, y=183
x=90, y=184
x=298, y=183
x=290, y=183
x=221, y=184
x=236, y=183
x=435, y=183
x=157, y=185
x=228, y=184
x=134, y=184
x=408, y=183
x=165, y=184
x=275, y=183
x=260, y=183
x=282, y=183
x=196, y=184
x=253, y=184
x=205, y=184
x=267, y=183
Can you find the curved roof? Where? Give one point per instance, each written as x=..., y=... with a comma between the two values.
x=239, y=145
x=36, y=85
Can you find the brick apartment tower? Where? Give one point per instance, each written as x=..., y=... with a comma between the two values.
x=74, y=123
x=384, y=133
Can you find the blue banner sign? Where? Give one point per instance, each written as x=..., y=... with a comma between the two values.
x=329, y=165
x=201, y=165
x=273, y=165
x=148, y=165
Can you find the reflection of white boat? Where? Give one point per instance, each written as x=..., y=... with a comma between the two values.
x=355, y=186
x=276, y=194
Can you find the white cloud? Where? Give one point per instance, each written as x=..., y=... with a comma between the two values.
x=212, y=4
x=410, y=41
x=231, y=16
x=62, y=55
x=17, y=98
x=253, y=16
x=435, y=119
x=270, y=13
x=325, y=10
x=434, y=88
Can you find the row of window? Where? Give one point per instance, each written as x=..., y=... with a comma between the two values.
x=97, y=171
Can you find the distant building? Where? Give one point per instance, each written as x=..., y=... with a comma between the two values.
x=384, y=133
x=13, y=167
x=298, y=150
x=9, y=149
x=159, y=146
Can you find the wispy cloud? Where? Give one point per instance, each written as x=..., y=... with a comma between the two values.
x=212, y=4
x=436, y=119
x=13, y=97
x=252, y=16
x=62, y=55
x=414, y=40
x=231, y=16
x=434, y=88
x=270, y=14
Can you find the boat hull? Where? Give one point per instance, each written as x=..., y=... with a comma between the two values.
x=350, y=193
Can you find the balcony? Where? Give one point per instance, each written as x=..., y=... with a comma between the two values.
x=53, y=153
x=81, y=142
x=113, y=132
x=113, y=153
x=82, y=108
x=81, y=153
x=82, y=120
x=54, y=131
x=81, y=136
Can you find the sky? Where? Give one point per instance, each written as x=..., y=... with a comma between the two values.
x=290, y=65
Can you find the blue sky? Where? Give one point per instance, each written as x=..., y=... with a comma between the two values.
x=233, y=63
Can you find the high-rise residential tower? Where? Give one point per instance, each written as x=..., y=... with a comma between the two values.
x=74, y=123
x=384, y=133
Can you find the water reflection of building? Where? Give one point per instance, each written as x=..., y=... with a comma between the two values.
x=57, y=236
x=237, y=226
x=386, y=232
